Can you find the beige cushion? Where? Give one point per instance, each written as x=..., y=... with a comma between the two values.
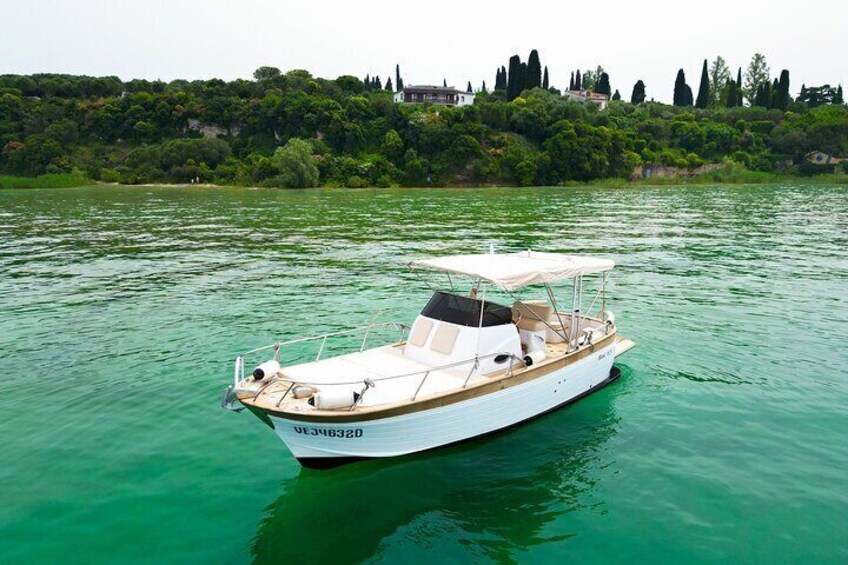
x=444, y=339
x=420, y=332
x=533, y=314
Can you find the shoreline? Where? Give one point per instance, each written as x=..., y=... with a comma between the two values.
x=709, y=179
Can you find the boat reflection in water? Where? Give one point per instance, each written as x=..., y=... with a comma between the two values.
x=490, y=497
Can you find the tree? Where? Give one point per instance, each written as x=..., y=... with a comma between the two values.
x=732, y=94
x=398, y=80
x=468, y=89
x=483, y=88
x=545, y=83
x=588, y=81
x=266, y=73
x=616, y=95
x=638, y=95
x=837, y=99
x=603, y=85
x=681, y=96
x=704, y=88
x=389, y=85
x=578, y=82
x=739, y=100
x=719, y=80
x=762, y=97
x=571, y=82
x=534, y=70
x=756, y=74
x=513, y=88
x=445, y=82
x=782, y=97
x=503, y=79
x=296, y=165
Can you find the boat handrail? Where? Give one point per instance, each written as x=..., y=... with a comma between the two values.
x=370, y=382
x=238, y=375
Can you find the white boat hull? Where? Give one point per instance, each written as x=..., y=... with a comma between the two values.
x=326, y=445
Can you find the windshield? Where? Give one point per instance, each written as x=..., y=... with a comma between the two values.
x=464, y=311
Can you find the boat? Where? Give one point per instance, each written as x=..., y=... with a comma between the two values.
x=466, y=367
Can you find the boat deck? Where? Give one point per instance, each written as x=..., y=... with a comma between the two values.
x=347, y=372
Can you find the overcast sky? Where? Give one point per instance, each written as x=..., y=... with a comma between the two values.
x=432, y=40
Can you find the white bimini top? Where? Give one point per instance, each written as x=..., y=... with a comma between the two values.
x=510, y=271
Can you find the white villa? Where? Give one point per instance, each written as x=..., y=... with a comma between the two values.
x=584, y=96
x=440, y=95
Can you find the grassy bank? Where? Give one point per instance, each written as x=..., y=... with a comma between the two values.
x=59, y=180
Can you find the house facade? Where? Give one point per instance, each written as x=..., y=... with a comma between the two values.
x=822, y=158
x=439, y=95
x=583, y=96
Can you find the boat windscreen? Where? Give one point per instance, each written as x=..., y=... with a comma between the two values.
x=465, y=311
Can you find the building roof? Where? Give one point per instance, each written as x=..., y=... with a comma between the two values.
x=588, y=94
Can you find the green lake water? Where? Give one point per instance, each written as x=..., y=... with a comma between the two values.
x=122, y=309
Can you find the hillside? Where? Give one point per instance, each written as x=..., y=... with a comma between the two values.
x=296, y=130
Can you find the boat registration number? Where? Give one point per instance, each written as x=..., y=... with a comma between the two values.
x=328, y=432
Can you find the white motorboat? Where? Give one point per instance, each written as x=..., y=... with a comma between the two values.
x=467, y=367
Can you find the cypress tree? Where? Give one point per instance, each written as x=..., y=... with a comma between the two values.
x=616, y=95
x=690, y=100
x=578, y=82
x=731, y=94
x=774, y=99
x=498, y=79
x=368, y=82
x=398, y=80
x=571, y=81
x=638, y=95
x=503, y=78
x=603, y=85
x=739, y=100
x=523, y=76
x=545, y=83
x=389, y=84
x=484, y=87
x=586, y=83
x=534, y=71
x=378, y=85
x=512, y=86
x=837, y=98
x=468, y=89
x=782, y=97
x=704, y=88
x=445, y=82
x=680, y=86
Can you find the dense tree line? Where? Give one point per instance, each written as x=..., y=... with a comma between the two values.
x=293, y=129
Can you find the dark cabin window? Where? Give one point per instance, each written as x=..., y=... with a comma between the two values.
x=465, y=311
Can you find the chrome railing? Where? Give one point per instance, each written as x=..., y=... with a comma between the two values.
x=369, y=383
x=238, y=372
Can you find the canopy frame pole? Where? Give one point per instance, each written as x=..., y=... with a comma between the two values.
x=422, y=279
x=556, y=310
x=575, y=311
x=603, y=294
x=480, y=326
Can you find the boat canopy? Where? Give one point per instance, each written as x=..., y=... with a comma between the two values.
x=510, y=271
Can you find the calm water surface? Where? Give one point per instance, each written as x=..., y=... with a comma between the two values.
x=121, y=310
